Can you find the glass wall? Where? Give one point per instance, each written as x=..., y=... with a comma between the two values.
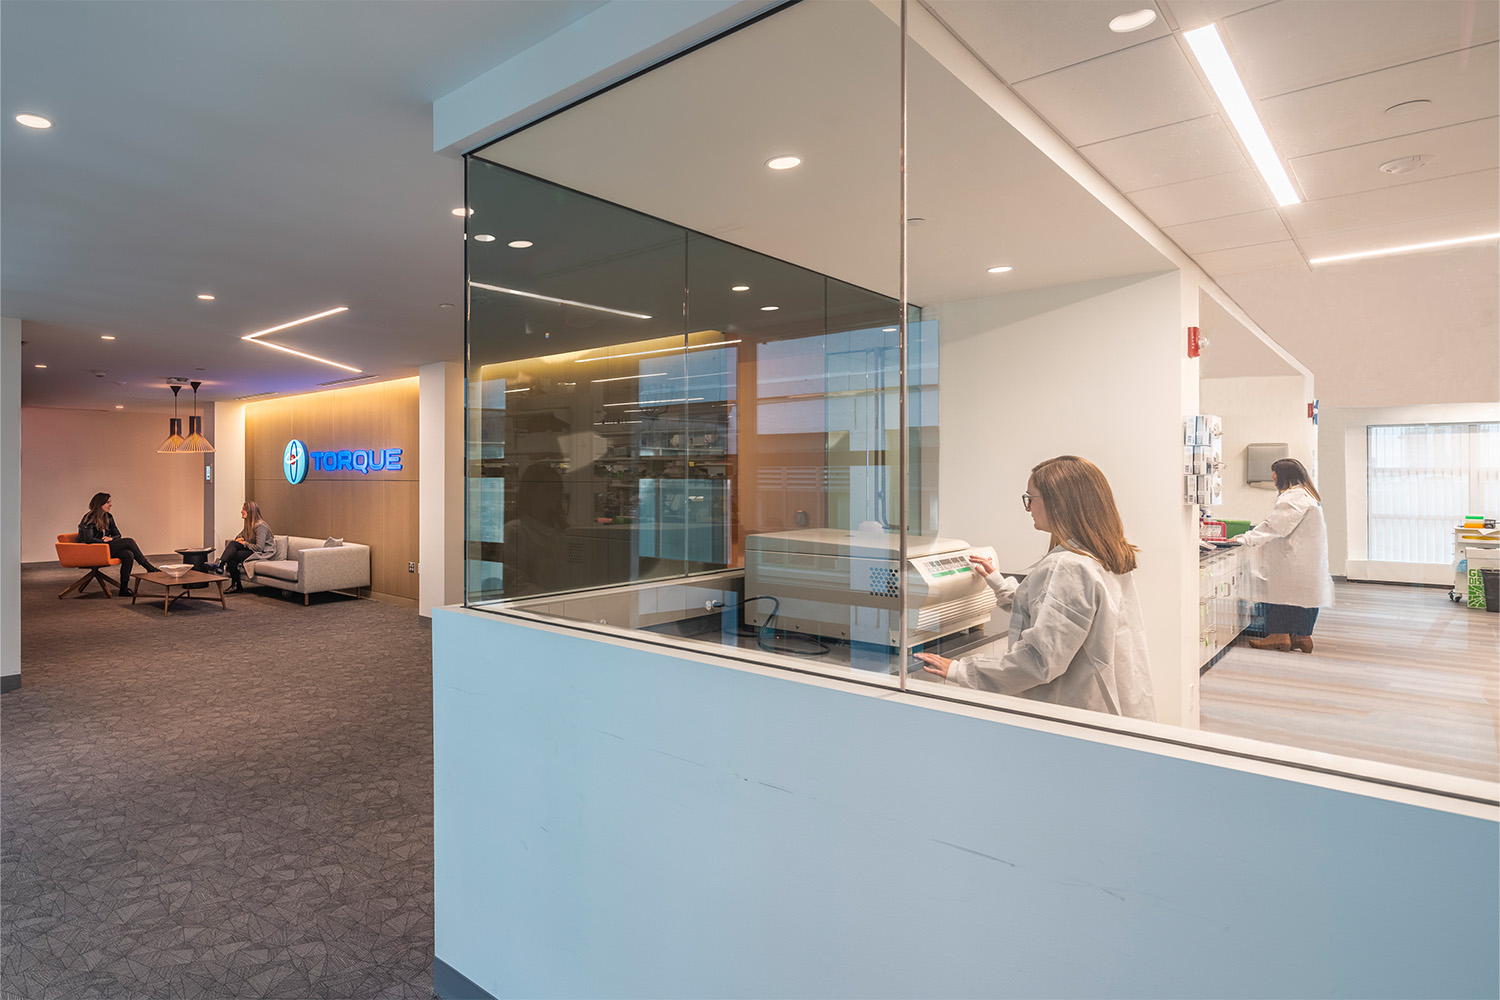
x=694, y=301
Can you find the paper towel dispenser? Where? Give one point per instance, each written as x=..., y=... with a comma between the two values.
x=1258, y=460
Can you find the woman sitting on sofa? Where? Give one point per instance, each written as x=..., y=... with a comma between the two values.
x=255, y=542
x=98, y=525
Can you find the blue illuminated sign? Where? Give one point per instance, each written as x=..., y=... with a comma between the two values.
x=361, y=460
x=294, y=461
x=366, y=460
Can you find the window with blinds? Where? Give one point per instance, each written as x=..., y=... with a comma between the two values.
x=1424, y=478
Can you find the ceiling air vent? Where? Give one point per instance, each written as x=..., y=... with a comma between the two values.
x=344, y=381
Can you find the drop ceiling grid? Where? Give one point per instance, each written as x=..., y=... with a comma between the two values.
x=1022, y=39
x=1349, y=112
x=1132, y=90
x=1455, y=149
x=1288, y=46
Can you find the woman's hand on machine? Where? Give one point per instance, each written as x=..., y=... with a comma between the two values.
x=935, y=664
x=985, y=566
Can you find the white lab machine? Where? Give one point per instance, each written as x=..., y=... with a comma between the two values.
x=842, y=584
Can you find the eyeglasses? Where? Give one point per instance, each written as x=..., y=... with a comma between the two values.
x=1026, y=499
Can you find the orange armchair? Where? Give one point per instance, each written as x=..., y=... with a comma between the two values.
x=72, y=552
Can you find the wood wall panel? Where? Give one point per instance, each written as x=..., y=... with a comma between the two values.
x=379, y=509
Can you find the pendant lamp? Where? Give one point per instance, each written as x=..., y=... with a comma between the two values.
x=195, y=442
x=174, y=439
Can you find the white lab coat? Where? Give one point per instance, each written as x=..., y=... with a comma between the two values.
x=1076, y=638
x=1289, y=553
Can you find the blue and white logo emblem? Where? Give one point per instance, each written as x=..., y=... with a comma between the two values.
x=294, y=461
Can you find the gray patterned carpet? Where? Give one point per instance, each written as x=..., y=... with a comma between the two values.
x=216, y=803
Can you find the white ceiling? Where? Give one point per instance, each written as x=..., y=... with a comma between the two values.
x=688, y=142
x=1419, y=328
x=279, y=155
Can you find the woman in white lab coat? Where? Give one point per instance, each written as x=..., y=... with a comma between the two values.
x=1289, y=561
x=1076, y=632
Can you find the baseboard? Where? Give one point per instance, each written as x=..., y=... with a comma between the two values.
x=400, y=602
x=450, y=984
x=9, y=683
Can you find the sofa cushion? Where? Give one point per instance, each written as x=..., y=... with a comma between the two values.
x=333, y=543
x=281, y=553
x=280, y=569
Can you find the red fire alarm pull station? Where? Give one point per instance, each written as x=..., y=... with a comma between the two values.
x=1192, y=341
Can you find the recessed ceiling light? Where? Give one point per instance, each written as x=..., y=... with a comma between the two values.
x=783, y=162
x=33, y=121
x=519, y=244
x=461, y=212
x=1408, y=107
x=106, y=336
x=769, y=309
x=485, y=238
x=1208, y=49
x=39, y=366
x=119, y=406
x=206, y=297
x=891, y=329
x=915, y=221
x=739, y=288
x=1134, y=21
x=446, y=305
x=1409, y=248
x=998, y=270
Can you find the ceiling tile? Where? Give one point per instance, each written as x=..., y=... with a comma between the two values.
x=1199, y=147
x=1457, y=149
x=1478, y=222
x=1460, y=85
x=1442, y=196
x=1282, y=47
x=1233, y=193
x=1265, y=257
x=1191, y=14
x=1250, y=229
x=1020, y=39
x=1129, y=91
x=1369, y=347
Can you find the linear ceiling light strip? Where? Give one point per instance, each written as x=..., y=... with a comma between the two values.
x=1409, y=248
x=1209, y=49
x=298, y=322
x=659, y=350
x=561, y=302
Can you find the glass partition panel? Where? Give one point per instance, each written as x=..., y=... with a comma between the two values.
x=684, y=407
x=1037, y=308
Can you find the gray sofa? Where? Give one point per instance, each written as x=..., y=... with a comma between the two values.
x=308, y=566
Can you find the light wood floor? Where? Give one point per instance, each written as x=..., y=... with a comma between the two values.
x=1398, y=674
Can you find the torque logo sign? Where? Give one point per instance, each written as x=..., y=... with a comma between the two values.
x=294, y=461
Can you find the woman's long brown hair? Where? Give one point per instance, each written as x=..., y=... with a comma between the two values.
x=96, y=512
x=252, y=518
x=1081, y=509
x=1291, y=473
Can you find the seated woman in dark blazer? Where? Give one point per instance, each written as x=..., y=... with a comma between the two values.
x=98, y=525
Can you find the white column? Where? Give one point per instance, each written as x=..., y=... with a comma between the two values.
x=10, y=504
x=227, y=492
x=440, y=488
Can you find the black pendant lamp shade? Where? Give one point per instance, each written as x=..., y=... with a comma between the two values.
x=195, y=442
x=174, y=439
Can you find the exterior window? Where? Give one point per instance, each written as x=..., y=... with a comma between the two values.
x=1423, y=479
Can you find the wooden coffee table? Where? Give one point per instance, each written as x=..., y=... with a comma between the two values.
x=186, y=585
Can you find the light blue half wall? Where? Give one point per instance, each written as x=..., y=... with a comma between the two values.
x=614, y=821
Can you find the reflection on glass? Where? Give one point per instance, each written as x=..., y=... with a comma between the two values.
x=653, y=447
